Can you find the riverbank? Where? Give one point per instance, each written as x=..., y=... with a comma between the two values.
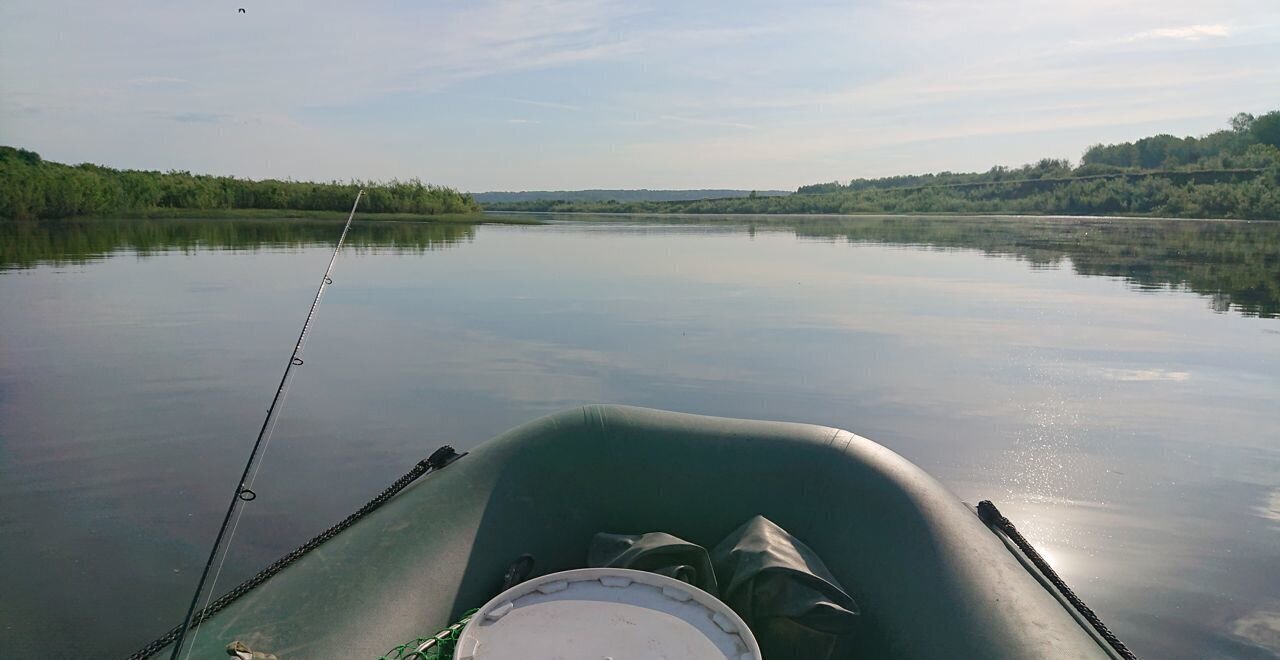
x=783, y=218
x=1240, y=195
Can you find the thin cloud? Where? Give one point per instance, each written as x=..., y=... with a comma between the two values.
x=708, y=122
x=1145, y=375
x=523, y=121
x=156, y=81
x=932, y=87
x=542, y=104
x=1184, y=33
x=199, y=117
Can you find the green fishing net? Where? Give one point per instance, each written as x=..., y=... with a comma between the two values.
x=436, y=647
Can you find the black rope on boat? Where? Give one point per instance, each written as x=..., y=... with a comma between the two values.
x=990, y=515
x=437, y=460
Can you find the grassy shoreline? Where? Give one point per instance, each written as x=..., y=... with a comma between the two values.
x=929, y=215
x=1256, y=198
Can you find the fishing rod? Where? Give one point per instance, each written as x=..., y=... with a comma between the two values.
x=243, y=492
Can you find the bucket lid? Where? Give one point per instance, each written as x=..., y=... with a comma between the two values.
x=605, y=614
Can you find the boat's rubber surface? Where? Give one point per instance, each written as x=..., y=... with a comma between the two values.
x=930, y=579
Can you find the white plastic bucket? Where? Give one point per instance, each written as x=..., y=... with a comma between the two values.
x=605, y=614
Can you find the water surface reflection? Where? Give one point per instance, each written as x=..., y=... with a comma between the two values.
x=1082, y=383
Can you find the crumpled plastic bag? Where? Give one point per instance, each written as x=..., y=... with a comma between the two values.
x=655, y=552
x=795, y=607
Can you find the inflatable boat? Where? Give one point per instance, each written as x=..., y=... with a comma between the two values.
x=932, y=577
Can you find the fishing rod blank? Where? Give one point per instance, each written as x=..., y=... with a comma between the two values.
x=243, y=493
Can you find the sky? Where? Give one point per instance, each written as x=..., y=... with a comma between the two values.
x=570, y=94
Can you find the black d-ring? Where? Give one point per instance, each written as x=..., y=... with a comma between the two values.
x=297, y=362
x=247, y=495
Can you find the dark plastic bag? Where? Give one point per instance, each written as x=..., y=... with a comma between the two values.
x=778, y=585
x=794, y=606
x=655, y=552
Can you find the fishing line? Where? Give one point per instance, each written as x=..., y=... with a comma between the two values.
x=235, y=526
x=244, y=488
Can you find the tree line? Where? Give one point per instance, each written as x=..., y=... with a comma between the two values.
x=1255, y=198
x=604, y=195
x=33, y=188
x=1249, y=144
x=1232, y=173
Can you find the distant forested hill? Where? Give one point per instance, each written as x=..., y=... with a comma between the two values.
x=618, y=195
x=1232, y=173
x=1250, y=143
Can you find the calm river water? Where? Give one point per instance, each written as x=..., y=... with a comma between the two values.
x=1113, y=385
